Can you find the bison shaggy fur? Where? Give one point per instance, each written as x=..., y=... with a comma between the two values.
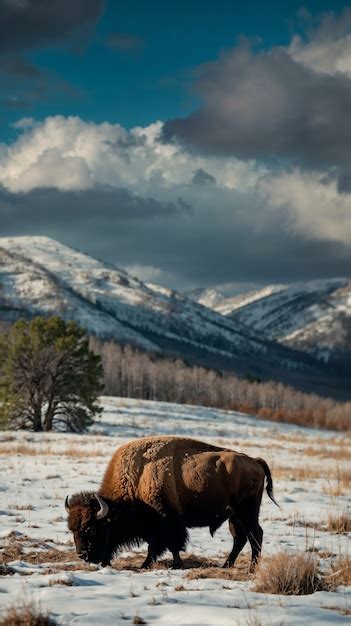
x=155, y=488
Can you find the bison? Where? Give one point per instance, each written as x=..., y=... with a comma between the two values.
x=155, y=488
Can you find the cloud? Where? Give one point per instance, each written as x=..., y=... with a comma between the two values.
x=326, y=47
x=128, y=198
x=27, y=24
x=107, y=154
x=201, y=177
x=268, y=106
x=125, y=42
x=313, y=203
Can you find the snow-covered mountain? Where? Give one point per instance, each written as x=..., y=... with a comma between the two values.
x=41, y=276
x=314, y=317
x=217, y=301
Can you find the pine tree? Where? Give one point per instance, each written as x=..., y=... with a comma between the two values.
x=48, y=376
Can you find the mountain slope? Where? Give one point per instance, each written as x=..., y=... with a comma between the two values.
x=216, y=301
x=314, y=317
x=41, y=276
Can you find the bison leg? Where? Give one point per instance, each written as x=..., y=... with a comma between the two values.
x=255, y=538
x=176, y=538
x=240, y=538
x=177, y=561
x=154, y=551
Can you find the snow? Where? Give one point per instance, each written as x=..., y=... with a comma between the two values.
x=40, y=469
x=309, y=316
x=39, y=275
x=226, y=305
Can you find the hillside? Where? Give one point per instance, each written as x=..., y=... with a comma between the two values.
x=41, y=276
x=217, y=301
x=314, y=317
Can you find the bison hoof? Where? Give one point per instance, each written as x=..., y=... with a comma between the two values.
x=177, y=564
x=228, y=564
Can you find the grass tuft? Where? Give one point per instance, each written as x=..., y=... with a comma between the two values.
x=339, y=523
x=289, y=574
x=25, y=615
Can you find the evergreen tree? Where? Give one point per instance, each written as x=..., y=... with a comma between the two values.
x=48, y=376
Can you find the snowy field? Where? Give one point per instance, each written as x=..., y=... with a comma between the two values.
x=311, y=472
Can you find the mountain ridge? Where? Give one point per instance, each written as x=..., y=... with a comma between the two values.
x=39, y=275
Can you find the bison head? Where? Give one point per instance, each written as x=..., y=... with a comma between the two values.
x=89, y=521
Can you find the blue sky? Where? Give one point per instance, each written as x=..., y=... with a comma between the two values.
x=137, y=87
x=246, y=179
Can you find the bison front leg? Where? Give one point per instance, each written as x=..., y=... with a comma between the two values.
x=177, y=561
x=149, y=560
x=240, y=538
x=154, y=551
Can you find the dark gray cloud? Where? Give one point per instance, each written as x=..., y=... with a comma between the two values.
x=26, y=24
x=43, y=207
x=30, y=24
x=125, y=42
x=268, y=106
x=201, y=177
x=239, y=239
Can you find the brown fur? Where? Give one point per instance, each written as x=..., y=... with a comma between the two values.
x=176, y=483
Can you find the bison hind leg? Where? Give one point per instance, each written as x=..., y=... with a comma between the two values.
x=239, y=535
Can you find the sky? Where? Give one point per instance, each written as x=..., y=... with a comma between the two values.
x=193, y=144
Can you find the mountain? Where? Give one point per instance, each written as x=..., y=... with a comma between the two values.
x=216, y=301
x=41, y=276
x=313, y=317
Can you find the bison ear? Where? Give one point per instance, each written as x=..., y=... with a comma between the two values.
x=103, y=510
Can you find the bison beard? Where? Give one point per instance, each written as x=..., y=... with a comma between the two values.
x=156, y=487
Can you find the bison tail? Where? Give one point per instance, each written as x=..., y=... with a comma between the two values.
x=269, y=486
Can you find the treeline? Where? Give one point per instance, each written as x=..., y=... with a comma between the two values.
x=134, y=374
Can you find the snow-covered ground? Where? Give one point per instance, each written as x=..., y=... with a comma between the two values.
x=311, y=471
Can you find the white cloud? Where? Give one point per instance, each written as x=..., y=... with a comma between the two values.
x=328, y=56
x=314, y=204
x=72, y=154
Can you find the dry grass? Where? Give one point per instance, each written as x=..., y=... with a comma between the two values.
x=337, y=479
x=340, y=573
x=138, y=620
x=339, y=523
x=64, y=580
x=329, y=452
x=21, y=507
x=290, y=574
x=33, y=552
x=338, y=609
x=27, y=449
x=25, y=615
x=133, y=562
x=239, y=572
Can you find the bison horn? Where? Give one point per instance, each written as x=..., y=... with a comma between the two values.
x=103, y=507
x=67, y=507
